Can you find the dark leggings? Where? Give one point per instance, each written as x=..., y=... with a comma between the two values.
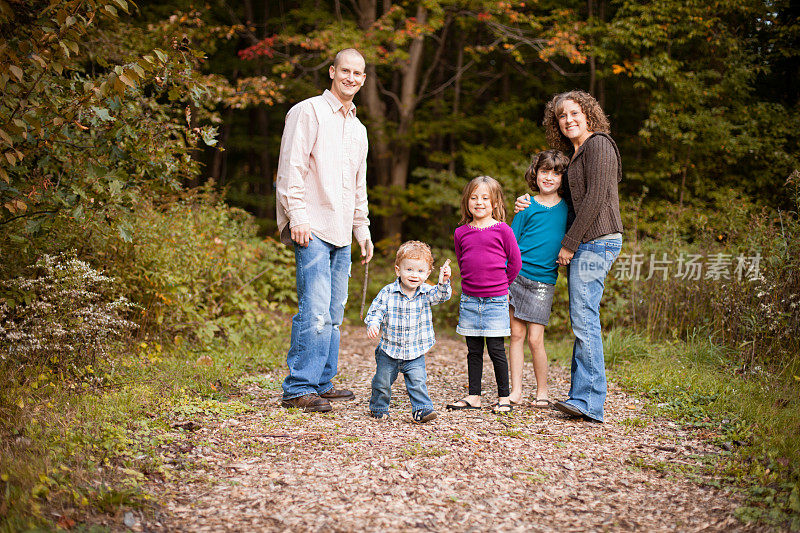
x=497, y=353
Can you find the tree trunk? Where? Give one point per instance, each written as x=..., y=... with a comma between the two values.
x=218, y=170
x=684, y=170
x=601, y=83
x=456, y=104
x=393, y=224
x=265, y=183
x=592, y=64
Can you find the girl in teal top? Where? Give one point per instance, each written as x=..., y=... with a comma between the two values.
x=539, y=229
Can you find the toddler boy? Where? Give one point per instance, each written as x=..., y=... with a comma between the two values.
x=402, y=310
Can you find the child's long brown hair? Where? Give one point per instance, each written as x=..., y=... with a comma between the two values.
x=547, y=160
x=495, y=193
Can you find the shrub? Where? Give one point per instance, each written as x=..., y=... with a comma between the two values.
x=63, y=315
x=196, y=267
x=57, y=323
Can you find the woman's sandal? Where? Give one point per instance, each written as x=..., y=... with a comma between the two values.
x=542, y=403
x=502, y=408
x=456, y=407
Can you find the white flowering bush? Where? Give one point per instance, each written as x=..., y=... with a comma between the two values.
x=60, y=316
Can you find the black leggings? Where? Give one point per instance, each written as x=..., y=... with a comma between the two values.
x=497, y=353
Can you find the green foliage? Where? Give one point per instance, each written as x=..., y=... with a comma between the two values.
x=97, y=451
x=196, y=268
x=751, y=305
x=103, y=137
x=753, y=416
x=87, y=133
x=696, y=65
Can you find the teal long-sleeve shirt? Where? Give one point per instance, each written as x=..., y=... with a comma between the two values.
x=539, y=230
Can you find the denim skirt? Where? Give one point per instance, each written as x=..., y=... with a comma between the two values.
x=531, y=300
x=483, y=316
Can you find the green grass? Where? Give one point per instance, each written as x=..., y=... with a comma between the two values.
x=634, y=422
x=418, y=450
x=88, y=451
x=755, y=415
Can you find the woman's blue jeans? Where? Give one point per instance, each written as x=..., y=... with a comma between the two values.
x=323, y=271
x=386, y=370
x=586, y=275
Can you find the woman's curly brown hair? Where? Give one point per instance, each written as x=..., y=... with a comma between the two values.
x=596, y=119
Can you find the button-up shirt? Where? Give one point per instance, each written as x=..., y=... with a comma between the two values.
x=406, y=323
x=322, y=172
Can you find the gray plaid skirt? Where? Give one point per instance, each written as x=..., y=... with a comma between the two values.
x=531, y=300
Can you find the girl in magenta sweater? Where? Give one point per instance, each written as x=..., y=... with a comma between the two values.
x=489, y=260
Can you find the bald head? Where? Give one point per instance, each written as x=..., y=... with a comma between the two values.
x=347, y=75
x=351, y=53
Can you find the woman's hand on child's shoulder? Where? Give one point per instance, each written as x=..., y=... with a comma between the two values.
x=522, y=202
x=444, y=272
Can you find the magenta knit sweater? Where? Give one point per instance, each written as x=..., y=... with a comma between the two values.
x=489, y=259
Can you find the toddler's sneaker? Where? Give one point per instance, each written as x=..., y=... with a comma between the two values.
x=423, y=415
x=379, y=416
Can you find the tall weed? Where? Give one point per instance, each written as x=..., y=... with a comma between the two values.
x=750, y=303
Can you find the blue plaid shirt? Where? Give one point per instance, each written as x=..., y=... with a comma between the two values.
x=406, y=323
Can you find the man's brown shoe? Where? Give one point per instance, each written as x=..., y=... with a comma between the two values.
x=338, y=395
x=310, y=403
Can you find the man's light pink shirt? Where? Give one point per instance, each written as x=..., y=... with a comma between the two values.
x=322, y=172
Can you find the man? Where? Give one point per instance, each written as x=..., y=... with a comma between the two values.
x=322, y=197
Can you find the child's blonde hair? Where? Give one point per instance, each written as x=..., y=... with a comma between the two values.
x=546, y=160
x=495, y=194
x=414, y=250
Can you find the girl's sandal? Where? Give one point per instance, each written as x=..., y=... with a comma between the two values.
x=542, y=403
x=464, y=404
x=502, y=408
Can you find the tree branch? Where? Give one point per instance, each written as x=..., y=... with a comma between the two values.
x=389, y=93
x=439, y=51
x=449, y=82
x=12, y=219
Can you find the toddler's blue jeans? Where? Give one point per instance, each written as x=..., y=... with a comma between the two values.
x=386, y=370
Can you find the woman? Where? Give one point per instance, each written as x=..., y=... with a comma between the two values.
x=575, y=123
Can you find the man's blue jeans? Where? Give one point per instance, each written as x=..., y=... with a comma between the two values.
x=323, y=271
x=386, y=370
x=586, y=275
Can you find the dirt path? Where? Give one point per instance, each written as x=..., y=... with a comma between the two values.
x=535, y=470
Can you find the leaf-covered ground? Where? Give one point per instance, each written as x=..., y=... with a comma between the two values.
x=274, y=469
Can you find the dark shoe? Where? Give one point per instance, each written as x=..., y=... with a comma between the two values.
x=422, y=416
x=338, y=395
x=310, y=403
x=379, y=416
x=569, y=409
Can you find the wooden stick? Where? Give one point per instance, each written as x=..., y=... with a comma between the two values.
x=364, y=290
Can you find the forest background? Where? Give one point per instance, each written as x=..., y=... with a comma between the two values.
x=139, y=150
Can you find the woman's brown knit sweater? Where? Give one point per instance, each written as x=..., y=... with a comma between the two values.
x=592, y=178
